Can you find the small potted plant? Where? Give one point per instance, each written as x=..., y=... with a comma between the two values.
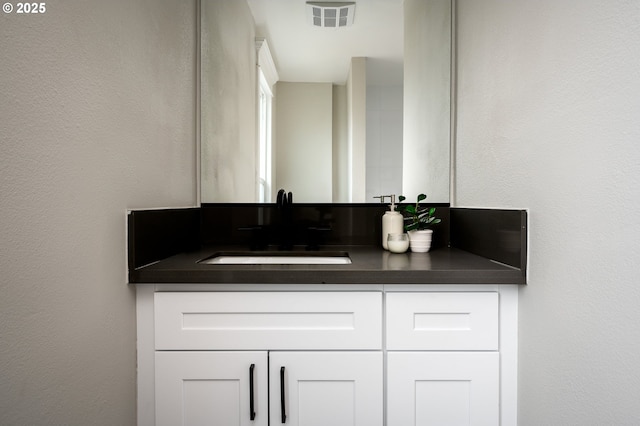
x=418, y=221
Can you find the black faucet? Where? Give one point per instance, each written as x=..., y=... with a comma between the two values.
x=283, y=200
x=284, y=206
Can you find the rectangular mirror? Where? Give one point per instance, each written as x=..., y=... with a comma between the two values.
x=334, y=115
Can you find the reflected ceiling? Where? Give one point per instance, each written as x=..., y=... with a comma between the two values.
x=377, y=33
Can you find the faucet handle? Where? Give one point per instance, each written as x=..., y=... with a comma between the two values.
x=384, y=197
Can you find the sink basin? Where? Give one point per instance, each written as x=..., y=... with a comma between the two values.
x=279, y=258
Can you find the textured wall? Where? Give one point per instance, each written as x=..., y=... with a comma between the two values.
x=229, y=150
x=97, y=116
x=427, y=99
x=548, y=108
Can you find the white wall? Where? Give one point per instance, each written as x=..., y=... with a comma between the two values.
x=304, y=139
x=357, y=129
x=340, y=150
x=384, y=141
x=548, y=119
x=98, y=116
x=427, y=83
x=229, y=88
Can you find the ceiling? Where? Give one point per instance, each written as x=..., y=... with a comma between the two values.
x=304, y=53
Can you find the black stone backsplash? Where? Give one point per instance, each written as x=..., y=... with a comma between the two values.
x=496, y=234
x=157, y=234
x=324, y=224
x=154, y=235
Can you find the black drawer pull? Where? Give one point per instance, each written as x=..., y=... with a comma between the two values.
x=282, y=404
x=252, y=413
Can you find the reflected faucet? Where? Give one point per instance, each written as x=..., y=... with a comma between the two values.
x=284, y=205
x=283, y=200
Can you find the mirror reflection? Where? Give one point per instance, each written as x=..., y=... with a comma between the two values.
x=330, y=114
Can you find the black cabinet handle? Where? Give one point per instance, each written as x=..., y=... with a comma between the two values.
x=252, y=413
x=282, y=405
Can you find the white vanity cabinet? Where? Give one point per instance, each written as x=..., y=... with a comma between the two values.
x=443, y=361
x=259, y=358
x=394, y=355
x=306, y=388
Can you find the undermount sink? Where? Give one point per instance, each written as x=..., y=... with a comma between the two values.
x=279, y=258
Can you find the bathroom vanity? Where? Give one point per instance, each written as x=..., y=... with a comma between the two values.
x=389, y=339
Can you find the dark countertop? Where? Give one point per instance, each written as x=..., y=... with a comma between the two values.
x=370, y=265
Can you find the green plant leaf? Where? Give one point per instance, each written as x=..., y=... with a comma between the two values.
x=411, y=226
x=422, y=197
x=401, y=198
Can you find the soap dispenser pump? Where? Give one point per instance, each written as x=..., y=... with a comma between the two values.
x=392, y=221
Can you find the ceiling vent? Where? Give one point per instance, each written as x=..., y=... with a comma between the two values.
x=331, y=14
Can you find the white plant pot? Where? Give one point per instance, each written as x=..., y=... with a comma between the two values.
x=420, y=240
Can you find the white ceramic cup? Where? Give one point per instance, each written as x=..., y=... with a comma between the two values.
x=398, y=243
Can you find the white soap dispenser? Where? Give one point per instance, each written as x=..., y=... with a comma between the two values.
x=392, y=221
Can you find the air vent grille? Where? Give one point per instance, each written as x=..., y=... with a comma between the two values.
x=330, y=14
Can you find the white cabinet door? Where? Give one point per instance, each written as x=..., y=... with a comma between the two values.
x=326, y=388
x=443, y=389
x=211, y=388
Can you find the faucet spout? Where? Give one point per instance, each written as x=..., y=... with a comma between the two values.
x=284, y=206
x=283, y=199
x=280, y=199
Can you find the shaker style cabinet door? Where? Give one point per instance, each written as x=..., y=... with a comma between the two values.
x=443, y=388
x=211, y=388
x=326, y=388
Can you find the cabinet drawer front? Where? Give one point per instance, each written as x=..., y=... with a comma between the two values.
x=268, y=320
x=442, y=321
